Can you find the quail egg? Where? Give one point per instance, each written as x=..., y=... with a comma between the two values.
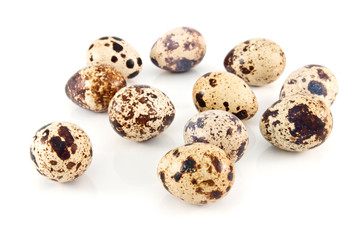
x=219, y=128
x=197, y=173
x=140, y=112
x=313, y=80
x=297, y=123
x=93, y=87
x=178, y=50
x=61, y=151
x=224, y=91
x=116, y=52
x=258, y=61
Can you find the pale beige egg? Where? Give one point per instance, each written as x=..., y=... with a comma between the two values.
x=116, y=52
x=297, y=123
x=178, y=50
x=61, y=151
x=197, y=173
x=140, y=112
x=219, y=128
x=224, y=91
x=258, y=61
x=315, y=80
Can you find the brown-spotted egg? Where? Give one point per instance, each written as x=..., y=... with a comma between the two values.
x=224, y=91
x=61, y=151
x=93, y=87
x=178, y=50
x=258, y=61
x=140, y=112
x=116, y=52
x=297, y=123
x=197, y=173
x=219, y=128
x=313, y=80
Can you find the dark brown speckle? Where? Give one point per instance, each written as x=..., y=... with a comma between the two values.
x=241, y=114
x=199, y=99
x=317, y=88
x=177, y=176
x=306, y=124
x=212, y=82
x=216, y=194
x=216, y=163
x=189, y=165
x=134, y=74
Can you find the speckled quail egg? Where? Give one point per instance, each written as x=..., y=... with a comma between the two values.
x=116, y=52
x=140, y=112
x=178, y=50
x=93, y=87
x=61, y=151
x=313, y=80
x=219, y=128
x=258, y=61
x=197, y=173
x=297, y=123
x=224, y=91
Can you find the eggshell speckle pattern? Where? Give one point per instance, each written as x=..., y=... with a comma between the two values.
x=140, y=112
x=219, y=128
x=224, y=91
x=178, y=50
x=61, y=151
x=116, y=52
x=313, y=80
x=258, y=61
x=93, y=87
x=297, y=123
x=198, y=173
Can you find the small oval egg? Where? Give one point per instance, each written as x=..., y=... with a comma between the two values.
x=219, y=128
x=115, y=52
x=297, y=123
x=93, y=87
x=313, y=80
x=224, y=91
x=140, y=112
x=178, y=50
x=258, y=61
x=197, y=173
x=61, y=151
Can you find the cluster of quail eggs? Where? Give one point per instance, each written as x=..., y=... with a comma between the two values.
x=202, y=170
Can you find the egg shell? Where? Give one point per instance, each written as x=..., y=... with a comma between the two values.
x=219, y=128
x=297, y=123
x=197, y=173
x=140, y=112
x=224, y=91
x=115, y=52
x=61, y=151
x=93, y=87
x=178, y=50
x=313, y=80
x=258, y=61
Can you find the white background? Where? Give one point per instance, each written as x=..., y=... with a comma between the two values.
x=276, y=194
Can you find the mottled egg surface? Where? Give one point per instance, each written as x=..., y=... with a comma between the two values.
x=297, y=123
x=61, y=151
x=219, y=128
x=197, y=173
x=224, y=91
x=258, y=61
x=93, y=87
x=140, y=112
x=313, y=80
x=115, y=52
x=178, y=50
